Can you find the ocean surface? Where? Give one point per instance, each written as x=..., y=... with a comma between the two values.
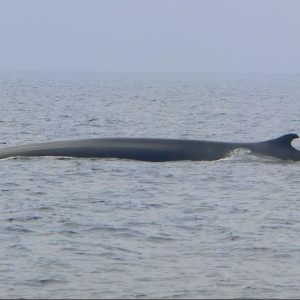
x=108, y=228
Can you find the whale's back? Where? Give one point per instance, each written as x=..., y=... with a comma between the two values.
x=150, y=149
x=127, y=148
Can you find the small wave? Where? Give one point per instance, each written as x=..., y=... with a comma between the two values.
x=18, y=228
x=19, y=247
x=159, y=239
x=46, y=281
x=44, y=207
x=120, y=231
x=93, y=120
x=152, y=205
x=258, y=249
x=24, y=219
x=68, y=232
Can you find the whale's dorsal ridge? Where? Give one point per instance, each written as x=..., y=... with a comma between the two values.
x=284, y=140
x=154, y=150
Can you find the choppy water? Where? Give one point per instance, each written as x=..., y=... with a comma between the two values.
x=104, y=228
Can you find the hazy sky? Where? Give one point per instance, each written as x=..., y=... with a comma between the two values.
x=150, y=35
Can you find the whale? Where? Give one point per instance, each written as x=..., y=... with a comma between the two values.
x=153, y=149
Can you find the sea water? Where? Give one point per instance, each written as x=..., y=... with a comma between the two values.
x=109, y=228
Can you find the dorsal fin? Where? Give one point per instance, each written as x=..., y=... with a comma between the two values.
x=284, y=140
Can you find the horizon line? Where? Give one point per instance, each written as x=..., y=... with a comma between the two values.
x=146, y=71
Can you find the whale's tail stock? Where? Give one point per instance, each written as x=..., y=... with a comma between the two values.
x=280, y=147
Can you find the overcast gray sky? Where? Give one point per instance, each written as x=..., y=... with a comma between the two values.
x=150, y=35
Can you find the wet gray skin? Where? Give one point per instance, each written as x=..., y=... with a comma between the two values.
x=154, y=150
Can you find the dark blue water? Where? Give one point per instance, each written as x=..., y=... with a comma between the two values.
x=104, y=228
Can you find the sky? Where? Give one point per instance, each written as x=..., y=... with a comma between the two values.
x=150, y=35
